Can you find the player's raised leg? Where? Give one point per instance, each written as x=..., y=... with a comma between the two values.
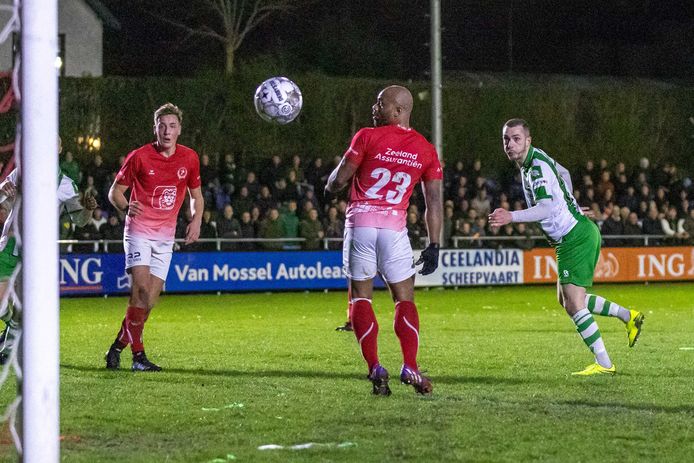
x=573, y=299
x=633, y=319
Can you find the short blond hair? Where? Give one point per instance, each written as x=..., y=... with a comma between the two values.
x=165, y=110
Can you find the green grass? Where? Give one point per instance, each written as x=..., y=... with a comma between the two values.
x=276, y=373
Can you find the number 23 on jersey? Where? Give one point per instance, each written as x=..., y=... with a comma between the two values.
x=392, y=185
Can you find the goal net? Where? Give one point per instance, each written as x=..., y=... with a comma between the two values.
x=30, y=298
x=10, y=302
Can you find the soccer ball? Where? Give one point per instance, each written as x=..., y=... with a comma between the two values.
x=278, y=99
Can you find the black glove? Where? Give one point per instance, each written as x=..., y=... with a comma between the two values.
x=430, y=258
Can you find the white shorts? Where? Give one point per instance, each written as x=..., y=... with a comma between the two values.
x=154, y=254
x=368, y=250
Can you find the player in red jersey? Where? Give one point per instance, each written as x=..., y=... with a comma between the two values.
x=157, y=176
x=384, y=164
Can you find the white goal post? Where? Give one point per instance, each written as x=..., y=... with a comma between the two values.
x=39, y=177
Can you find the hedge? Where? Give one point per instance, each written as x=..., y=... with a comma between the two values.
x=572, y=118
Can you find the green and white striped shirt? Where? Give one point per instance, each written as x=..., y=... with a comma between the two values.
x=547, y=184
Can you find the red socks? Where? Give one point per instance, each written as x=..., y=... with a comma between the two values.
x=366, y=330
x=406, y=327
x=132, y=327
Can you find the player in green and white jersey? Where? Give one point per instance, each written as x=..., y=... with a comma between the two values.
x=576, y=239
x=68, y=203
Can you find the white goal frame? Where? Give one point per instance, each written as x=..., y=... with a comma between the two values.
x=39, y=177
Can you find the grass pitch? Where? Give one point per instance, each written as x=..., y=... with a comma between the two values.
x=243, y=371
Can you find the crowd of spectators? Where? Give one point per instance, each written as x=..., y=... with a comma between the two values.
x=283, y=202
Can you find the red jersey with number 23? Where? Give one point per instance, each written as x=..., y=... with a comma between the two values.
x=159, y=184
x=391, y=160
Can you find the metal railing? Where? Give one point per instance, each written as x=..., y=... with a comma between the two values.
x=293, y=244
x=644, y=240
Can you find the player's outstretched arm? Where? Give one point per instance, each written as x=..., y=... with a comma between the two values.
x=197, y=206
x=340, y=177
x=500, y=217
x=540, y=211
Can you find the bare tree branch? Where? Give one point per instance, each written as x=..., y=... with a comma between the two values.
x=237, y=18
x=202, y=31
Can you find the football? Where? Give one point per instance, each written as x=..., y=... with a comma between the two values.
x=278, y=100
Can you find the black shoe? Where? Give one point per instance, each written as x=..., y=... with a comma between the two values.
x=141, y=363
x=4, y=358
x=346, y=327
x=113, y=358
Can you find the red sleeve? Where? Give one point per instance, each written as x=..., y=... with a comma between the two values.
x=125, y=174
x=194, y=177
x=433, y=170
x=357, y=149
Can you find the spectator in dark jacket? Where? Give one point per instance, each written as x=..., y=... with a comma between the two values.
x=613, y=226
x=243, y=202
x=651, y=225
x=252, y=184
x=228, y=227
x=265, y=200
x=247, y=231
x=208, y=229
x=629, y=199
x=633, y=227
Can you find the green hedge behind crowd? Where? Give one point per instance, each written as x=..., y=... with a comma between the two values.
x=571, y=118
